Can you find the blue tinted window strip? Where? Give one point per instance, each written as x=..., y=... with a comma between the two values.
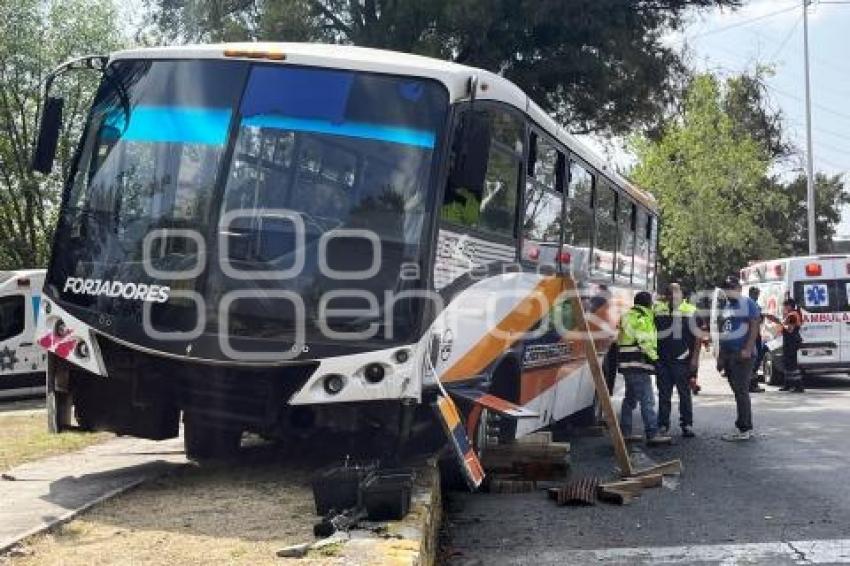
x=169, y=124
x=393, y=134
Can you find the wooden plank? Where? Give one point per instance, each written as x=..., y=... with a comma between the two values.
x=611, y=495
x=650, y=480
x=537, y=438
x=673, y=467
x=620, y=450
x=630, y=486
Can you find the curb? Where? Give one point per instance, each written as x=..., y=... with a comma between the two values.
x=8, y=544
x=412, y=541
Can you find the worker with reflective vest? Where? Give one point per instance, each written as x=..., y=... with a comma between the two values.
x=678, y=357
x=636, y=356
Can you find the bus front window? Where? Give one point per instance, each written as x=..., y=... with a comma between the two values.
x=211, y=169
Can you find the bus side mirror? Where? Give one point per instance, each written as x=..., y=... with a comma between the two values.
x=48, y=135
x=471, y=152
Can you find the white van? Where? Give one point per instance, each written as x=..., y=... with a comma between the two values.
x=22, y=362
x=821, y=287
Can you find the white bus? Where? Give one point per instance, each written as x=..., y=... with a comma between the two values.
x=265, y=236
x=21, y=361
x=820, y=285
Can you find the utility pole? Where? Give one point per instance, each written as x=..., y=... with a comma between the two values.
x=810, y=167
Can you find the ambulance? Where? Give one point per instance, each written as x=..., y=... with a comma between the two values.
x=22, y=362
x=821, y=286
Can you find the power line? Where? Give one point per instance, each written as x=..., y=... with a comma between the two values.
x=819, y=106
x=824, y=131
x=740, y=24
x=787, y=39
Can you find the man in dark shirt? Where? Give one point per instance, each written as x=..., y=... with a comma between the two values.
x=678, y=356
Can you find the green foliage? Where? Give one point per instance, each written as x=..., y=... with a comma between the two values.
x=464, y=214
x=707, y=177
x=37, y=36
x=720, y=208
x=600, y=65
x=788, y=220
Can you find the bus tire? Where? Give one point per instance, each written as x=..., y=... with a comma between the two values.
x=58, y=400
x=773, y=375
x=204, y=441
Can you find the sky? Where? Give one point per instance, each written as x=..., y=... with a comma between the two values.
x=771, y=32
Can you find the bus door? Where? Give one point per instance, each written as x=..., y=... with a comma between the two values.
x=822, y=321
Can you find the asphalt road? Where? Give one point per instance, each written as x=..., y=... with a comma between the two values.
x=782, y=498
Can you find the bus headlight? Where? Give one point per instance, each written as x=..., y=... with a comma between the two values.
x=374, y=373
x=402, y=356
x=333, y=383
x=82, y=350
x=60, y=329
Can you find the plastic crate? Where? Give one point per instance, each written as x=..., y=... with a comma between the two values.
x=386, y=495
x=339, y=488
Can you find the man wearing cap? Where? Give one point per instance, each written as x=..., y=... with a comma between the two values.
x=739, y=329
x=678, y=352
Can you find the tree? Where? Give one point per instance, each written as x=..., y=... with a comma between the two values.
x=707, y=174
x=599, y=65
x=38, y=35
x=789, y=220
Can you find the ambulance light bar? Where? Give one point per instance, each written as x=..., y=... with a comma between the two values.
x=813, y=269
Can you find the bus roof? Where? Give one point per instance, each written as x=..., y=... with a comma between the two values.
x=454, y=76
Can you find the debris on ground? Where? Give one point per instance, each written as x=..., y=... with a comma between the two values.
x=576, y=492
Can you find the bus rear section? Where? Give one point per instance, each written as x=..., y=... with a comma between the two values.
x=22, y=363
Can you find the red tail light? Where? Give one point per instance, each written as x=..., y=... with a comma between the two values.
x=813, y=269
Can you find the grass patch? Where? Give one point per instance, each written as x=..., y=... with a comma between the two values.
x=24, y=438
x=235, y=513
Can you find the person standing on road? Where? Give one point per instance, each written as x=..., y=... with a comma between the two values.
x=754, y=294
x=678, y=357
x=739, y=328
x=791, y=340
x=637, y=353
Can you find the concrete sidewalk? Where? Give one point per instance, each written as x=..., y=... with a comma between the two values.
x=37, y=495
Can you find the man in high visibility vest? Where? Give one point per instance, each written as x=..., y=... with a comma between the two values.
x=678, y=357
x=636, y=356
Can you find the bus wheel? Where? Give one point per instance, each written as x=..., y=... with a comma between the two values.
x=204, y=441
x=772, y=374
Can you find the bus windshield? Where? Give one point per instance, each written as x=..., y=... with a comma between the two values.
x=251, y=201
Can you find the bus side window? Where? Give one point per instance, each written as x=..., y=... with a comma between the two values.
x=12, y=316
x=543, y=215
x=652, y=236
x=626, y=221
x=578, y=224
x=641, y=250
x=492, y=207
x=605, y=242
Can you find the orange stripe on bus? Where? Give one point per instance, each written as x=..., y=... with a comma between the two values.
x=536, y=381
x=509, y=330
